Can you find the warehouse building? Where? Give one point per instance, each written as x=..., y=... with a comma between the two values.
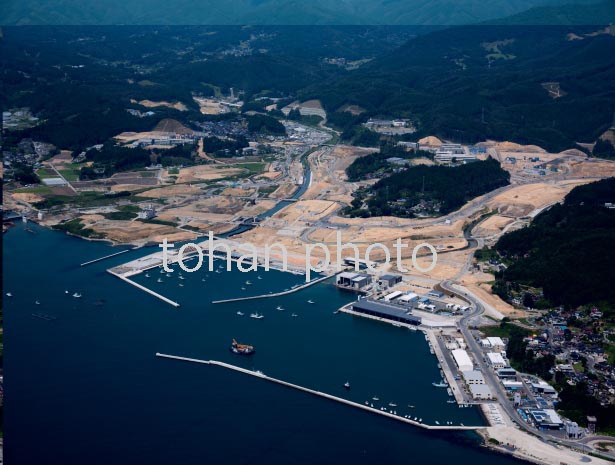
x=462, y=360
x=507, y=373
x=353, y=280
x=473, y=377
x=392, y=296
x=389, y=280
x=496, y=343
x=480, y=392
x=386, y=311
x=496, y=360
x=408, y=297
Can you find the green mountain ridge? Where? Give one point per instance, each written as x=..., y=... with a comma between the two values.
x=263, y=12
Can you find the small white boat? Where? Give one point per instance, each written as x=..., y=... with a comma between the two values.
x=415, y=419
x=37, y=302
x=257, y=316
x=294, y=314
x=437, y=422
x=218, y=271
x=420, y=420
x=159, y=280
x=181, y=285
x=310, y=301
x=181, y=277
x=168, y=275
x=76, y=295
x=248, y=283
x=66, y=292
x=8, y=294
x=280, y=308
x=375, y=398
x=203, y=279
x=240, y=313
x=391, y=404
x=347, y=385
x=259, y=277
x=243, y=288
x=147, y=275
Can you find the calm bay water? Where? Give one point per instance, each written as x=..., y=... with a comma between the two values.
x=87, y=388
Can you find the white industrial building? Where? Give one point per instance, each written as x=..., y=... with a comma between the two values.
x=409, y=297
x=480, y=392
x=473, y=377
x=393, y=295
x=496, y=343
x=496, y=360
x=462, y=359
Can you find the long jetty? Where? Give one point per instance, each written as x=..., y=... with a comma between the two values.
x=275, y=294
x=260, y=375
x=104, y=258
x=143, y=288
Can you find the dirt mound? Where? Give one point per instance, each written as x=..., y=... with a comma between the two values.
x=430, y=140
x=172, y=125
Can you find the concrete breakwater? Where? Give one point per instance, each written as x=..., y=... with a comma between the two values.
x=261, y=375
x=275, y=294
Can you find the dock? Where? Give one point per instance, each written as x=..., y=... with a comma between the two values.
x=276, y=294
x=258, y=374
x=104, y=258
x=445, y=368
x=143, y=288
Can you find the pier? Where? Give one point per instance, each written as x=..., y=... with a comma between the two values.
x=276, y=294
x=260, y=375
x=143, y=288
x=104, y=258
x=445, y=368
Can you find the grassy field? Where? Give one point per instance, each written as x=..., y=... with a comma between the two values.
x=46, y=173
x=70, y=174
x=253, y=168
x=503, y=330
x=41, y=190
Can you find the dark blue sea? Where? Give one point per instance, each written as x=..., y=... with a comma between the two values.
x=83, y=385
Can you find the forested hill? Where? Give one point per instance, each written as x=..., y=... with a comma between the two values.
x=431, y=190
x=475, y=83
x=567, y=251
x=262, y=12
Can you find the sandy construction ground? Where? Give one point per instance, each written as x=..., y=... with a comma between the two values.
x=533, y=449
x=524, y=199
x=205, y=173
x=284, y=191
x=493, y=225
x=152, y=104
x=209, y=106
x=134, y=232
x=181, y=190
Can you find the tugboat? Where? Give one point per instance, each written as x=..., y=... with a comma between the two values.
x=241, y=349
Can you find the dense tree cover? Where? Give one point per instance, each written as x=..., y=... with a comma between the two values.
x=526, y=360
x=375, y=164
x=457, y=89
x=576, y=404
x=443, y=188
x=24, y=174
x=112, y=158
x=265, y=124
x=224, y=147
x=566, y=250
x=603, y=149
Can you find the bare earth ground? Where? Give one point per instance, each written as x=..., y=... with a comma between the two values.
x=205, y=173
x=151, y=104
